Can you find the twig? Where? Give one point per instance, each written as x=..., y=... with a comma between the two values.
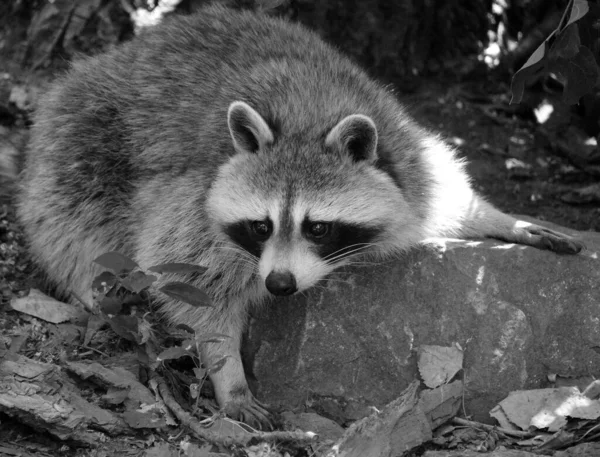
x=91, y=349
x=515, y=433
x=189, y=421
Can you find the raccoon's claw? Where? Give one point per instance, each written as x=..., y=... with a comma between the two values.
x=543, y=238
x=250, y=411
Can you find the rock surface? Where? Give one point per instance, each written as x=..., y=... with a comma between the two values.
x=520, y=314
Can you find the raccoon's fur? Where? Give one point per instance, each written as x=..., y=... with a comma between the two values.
x=245, y=144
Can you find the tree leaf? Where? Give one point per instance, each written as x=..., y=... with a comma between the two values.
x=216, y=366
x=580, y=9
x=212, y=338
x=578, y=74
x=126, y=327
x=116, y=262
x=137, y=281
x=535, y=65
x=186, y=293
x=104, y=281
x=177, y=268
x=566, y=44
x=200, y=373
x=188, y=345
x=172, y=353
x=111, y=304
x=185, y=328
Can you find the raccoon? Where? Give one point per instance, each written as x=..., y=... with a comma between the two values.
x=245, y=144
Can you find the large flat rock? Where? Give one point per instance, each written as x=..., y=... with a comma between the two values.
x=520, y=314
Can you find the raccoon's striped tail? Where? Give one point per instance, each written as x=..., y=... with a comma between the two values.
x=10, y=157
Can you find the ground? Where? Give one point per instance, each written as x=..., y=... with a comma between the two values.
x=474, y=115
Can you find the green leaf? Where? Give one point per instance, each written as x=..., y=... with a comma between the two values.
x=186, y=293
x=185, y=328
x=200, y=373
x=104, y=281
x=137, y=281
x=579, y=74
x=177, y=268
x=111, y=304
x=116, y=262
x=534, y=66
x=212, y=338
x=567, y=44
x=580, y=9
x=173, y=353
x=216, y=366
x=126, y=327
x=189, y=345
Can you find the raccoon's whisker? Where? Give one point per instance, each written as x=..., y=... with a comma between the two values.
x=241, y=252
x=233, y=247
x=246, y=264
x=359, y=263
x=347, y=252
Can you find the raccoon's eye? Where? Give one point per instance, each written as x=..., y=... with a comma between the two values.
x=318, y=229
x=261, y=228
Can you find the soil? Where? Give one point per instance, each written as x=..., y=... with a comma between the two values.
x=474, y=115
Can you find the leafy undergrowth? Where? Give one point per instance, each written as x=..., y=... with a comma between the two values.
x=521, y=164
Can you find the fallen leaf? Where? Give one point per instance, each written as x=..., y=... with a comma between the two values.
x=46, y=308
x=438, y=364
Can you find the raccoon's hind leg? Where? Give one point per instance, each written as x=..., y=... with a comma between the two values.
x=482, y=219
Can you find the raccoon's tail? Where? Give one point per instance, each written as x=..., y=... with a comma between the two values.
x=10, y=160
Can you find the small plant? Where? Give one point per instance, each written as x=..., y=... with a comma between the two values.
x=126, y=284
x=191, y=346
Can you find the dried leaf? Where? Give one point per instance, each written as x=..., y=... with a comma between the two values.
x=48, y=309
x=115, y=396
x=438, y=365
x=137, y=419
x=548, y=408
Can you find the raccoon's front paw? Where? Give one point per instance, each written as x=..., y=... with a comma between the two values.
x=543, y=238
x=244, y=407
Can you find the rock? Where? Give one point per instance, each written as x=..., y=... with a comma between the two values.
x=581, y=450
x=519, y=313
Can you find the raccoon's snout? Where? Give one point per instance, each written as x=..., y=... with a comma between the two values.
x=281, y=283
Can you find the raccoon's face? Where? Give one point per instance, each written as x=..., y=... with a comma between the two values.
x=301, y=210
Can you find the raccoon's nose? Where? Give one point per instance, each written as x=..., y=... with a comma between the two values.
x=281, y=283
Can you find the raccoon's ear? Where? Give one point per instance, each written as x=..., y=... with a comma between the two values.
x=355, y=135
x=249, y=131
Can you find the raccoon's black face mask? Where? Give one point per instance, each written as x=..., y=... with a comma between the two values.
x=302, y=210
